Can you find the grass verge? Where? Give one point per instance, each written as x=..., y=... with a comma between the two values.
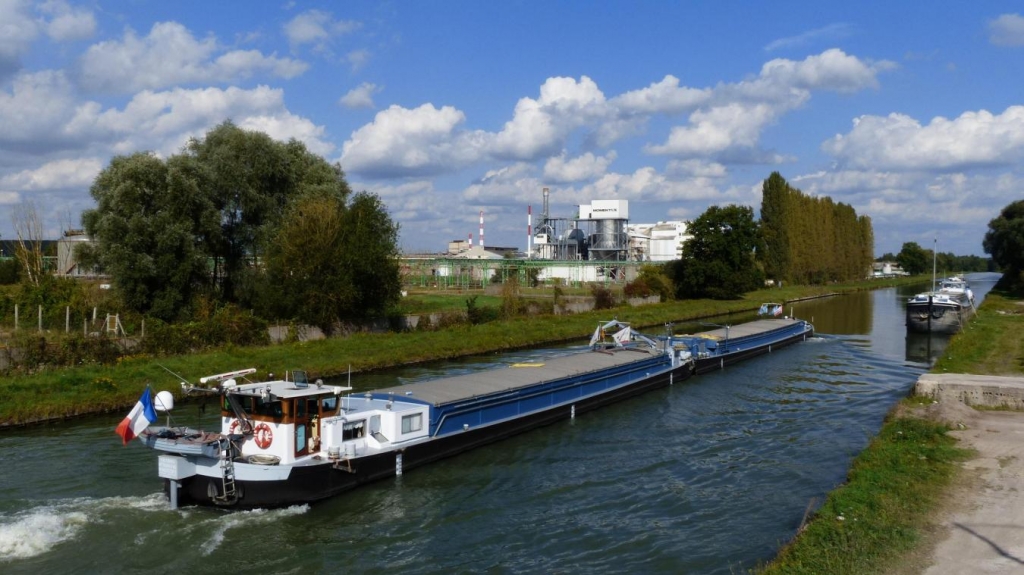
x=992, y=343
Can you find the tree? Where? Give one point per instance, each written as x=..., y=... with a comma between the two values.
x=330, y=261
x=775, y=194
x=29, y=248
x=718, y=261
x=1005, y=239
x=811, y=239
x=914, y=259
x=197, y=223
x=144, y=238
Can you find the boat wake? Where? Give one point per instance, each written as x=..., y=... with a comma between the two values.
x=32, y=532
x=221, y=524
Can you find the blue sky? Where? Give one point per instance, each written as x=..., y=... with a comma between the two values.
x=912, y=114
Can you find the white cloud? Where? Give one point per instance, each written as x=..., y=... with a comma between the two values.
x=664, y=97
x=899, y=142
x=164, y=121
x=717, y=129
x=316, y=27
x=18, y=29
x=169, y=55
x=35, y=111
x=829, y=33
x=730, y=124
x=404, y=142
x=1007, y=30
x=68, y=23
x=831, y=70
x=560, y=169
x=504, y=186
x=696, y=168
x=55, y=175
x=360, y=97
x=407, y=202
x=540, y=127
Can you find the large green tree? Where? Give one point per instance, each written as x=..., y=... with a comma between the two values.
x=144, y=236
x=775, y=200
x=202, y=221
x=718, y=261
x=914, y=259
x=331, y=260
x=1005, y=238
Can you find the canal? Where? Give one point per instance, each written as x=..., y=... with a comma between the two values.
x=708, y=476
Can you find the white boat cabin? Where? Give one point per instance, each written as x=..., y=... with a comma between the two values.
x=293, y=419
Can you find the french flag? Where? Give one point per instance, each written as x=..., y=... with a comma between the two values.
x=138, y=419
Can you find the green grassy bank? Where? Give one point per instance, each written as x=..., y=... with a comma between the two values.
x=62, y=393
x=896, y=484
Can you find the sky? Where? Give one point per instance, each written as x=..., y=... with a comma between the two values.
x=913, y=113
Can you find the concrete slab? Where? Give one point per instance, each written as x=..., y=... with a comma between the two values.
x=985, y=524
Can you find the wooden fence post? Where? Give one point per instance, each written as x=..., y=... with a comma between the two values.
x=40, y=318
x=67, y=319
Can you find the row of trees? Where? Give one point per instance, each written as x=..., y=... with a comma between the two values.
x=240, y=218
x=811, y=240
x=798, y=239
x=916, y=260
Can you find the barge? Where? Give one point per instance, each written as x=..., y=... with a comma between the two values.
x=944, y=310
x=290, y=441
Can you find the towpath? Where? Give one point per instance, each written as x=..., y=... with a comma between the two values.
x=981, y=530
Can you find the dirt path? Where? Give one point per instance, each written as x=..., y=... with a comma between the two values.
x=981, y=531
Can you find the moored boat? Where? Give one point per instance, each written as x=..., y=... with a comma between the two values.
x=938, y=312
x=290, y=441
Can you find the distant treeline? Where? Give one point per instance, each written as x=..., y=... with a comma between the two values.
x=812, y=240
x=915, y=259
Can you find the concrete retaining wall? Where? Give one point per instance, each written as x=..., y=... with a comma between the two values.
x=974, y=390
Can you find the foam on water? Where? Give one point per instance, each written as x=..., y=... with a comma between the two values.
x=37, y=530
x=248, y=519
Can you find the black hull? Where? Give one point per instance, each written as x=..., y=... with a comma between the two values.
x=707, y=364
x=308, y=484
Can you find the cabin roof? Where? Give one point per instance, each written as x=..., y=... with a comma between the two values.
x=447, y=390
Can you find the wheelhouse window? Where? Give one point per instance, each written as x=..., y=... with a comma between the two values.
x=330, y=403
x=411, y=423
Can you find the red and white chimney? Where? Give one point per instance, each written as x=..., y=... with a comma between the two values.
x=529, y=229
x=481, y=229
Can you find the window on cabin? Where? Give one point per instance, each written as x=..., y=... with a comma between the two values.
x=353, y=430
x=411, y=423
x=271, y=408
x=330, y=403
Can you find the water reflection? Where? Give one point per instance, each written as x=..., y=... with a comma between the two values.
x=926, y=347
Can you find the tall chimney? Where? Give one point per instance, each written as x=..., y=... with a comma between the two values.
x=470, y=239
x=481, y=229
x=529, y=229
x=546, y=214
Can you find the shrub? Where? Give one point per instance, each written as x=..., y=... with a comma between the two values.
x=637, y=288
x=603, y=297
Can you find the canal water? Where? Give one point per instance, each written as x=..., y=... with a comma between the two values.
x=707, y=476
